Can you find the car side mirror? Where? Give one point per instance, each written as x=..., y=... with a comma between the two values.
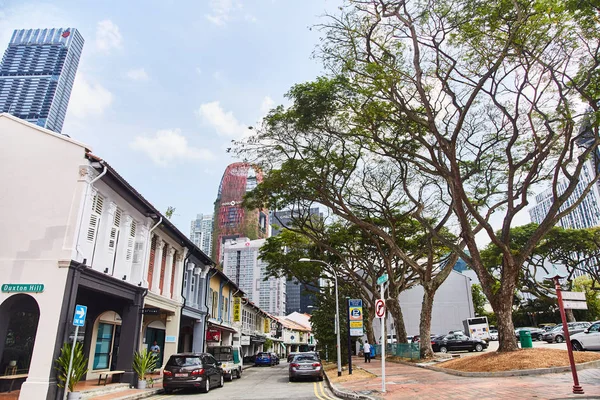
x=587, y=330
x=219, y=363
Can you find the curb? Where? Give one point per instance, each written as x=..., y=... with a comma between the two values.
x=346, y=395
x=500, y=374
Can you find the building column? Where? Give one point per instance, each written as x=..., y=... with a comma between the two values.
x=179, y=271
x=166, y=290
x=158, y=255
x=131, y=325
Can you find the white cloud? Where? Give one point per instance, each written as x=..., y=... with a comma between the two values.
x=169, y=146
x=266, y=105
x=108, y=36
x=224, y=11
x=224, y=122
x=198, y=71
x=88, y=98
x=137, y=74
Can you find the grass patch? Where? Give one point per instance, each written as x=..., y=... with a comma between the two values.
x=517, y=360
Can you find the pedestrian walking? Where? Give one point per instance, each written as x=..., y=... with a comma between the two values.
x=367, y=351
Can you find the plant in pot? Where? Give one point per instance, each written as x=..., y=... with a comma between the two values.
x=144, y=362
x=78, y=369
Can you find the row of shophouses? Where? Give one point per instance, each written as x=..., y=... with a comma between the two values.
x=74, y=232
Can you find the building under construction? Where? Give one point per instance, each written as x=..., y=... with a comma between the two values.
x=232, y=220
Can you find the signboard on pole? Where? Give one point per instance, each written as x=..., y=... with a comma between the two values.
x=79, y=317
x=575, y=305
x=355, y=316
x=379, y=308
x=579, y=296
x=382, y=279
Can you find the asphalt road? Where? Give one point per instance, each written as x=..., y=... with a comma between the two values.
x=260, y=383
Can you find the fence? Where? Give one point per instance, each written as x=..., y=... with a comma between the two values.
x=404, y=350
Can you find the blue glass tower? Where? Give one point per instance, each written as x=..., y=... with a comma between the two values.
x=37, y=74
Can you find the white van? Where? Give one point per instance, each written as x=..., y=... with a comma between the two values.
x=230, y=358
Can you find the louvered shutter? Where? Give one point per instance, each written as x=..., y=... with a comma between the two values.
x=131, y=241
x=114, y=230
x=97, y=204
x=137, y=252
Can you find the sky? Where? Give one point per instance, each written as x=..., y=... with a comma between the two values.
x=163, y=87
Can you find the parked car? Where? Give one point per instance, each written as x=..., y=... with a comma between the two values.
x=457, y=342
x=557, y=334
x=493, y=334
x=275, y=357
x=305, y=365
x=458, y=332
x=536, y=333
x=230, y=359
x=291, y=356
x=192, y=370
x=264, y=358
x=547, y=326
x=589, y=339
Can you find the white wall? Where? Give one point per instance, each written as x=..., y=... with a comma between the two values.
x=40, y=200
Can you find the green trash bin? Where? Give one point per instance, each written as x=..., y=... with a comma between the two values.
x=525, y=339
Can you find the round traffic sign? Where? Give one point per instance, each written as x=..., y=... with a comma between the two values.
x=355, y=313
x=380, y=308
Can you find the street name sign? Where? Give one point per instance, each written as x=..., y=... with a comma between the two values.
x=574, y=305
x=579, y=296
x=22, y=288
x=382, y=279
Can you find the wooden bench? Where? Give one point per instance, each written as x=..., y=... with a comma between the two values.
x=107, y=374
x=12, y=379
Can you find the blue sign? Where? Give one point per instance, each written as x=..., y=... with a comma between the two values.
x=355, y=302
x=79, y=317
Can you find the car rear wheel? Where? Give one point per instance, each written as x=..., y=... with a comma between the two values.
x=559, y=339
x=443, y=349
x=206, y=387
x=291, y=379
x=321, y=378
x=230, y=376
x=577, y=346
x=478, y=347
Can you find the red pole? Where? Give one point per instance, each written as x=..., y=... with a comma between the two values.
x=576, y=388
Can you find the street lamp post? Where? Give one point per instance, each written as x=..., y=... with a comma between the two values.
x=337, y=312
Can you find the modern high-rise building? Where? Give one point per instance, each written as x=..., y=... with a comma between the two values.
x=37, y=73
x=231, y=219
x=299, y=297
x=242, y=265
x=201, y=232
x=585, y=215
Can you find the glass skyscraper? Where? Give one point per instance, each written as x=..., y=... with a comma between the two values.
x=37, y=74
x=201, y=231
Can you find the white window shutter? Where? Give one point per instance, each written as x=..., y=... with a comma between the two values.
x=97, y=204
x=131, y=242
x=137, y=252
x=114, y=230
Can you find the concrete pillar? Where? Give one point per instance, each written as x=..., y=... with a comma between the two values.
x=179, y=271
x=166, y=290
x=130, y=334
x=158, y=255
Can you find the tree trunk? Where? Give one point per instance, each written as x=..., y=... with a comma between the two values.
x=570, y=315
x=393, y=306
x=506, y=329
x=368, y=324
x=425, y=323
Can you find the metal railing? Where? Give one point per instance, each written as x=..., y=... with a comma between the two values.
x=411, y=351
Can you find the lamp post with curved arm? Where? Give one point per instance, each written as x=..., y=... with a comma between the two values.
x=337, y=312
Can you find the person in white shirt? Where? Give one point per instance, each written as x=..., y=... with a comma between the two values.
x=367, y=351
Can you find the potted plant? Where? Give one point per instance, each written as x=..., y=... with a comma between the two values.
x=78, y=369
x=144, y=362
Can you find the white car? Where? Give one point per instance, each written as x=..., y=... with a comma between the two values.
x=589, y=339
x=493, y=334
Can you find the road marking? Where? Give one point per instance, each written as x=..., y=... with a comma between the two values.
x=322, y=390
x=316, y=391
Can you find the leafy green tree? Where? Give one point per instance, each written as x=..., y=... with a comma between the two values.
x=586, y=284
x=479, y=299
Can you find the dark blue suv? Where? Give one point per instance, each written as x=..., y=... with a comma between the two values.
x=264, y=359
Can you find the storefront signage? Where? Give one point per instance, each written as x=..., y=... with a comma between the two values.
x=355, y=315
x=150, y=311
x=22, y=288
x=213, y=335
x=245, y=341
x=258, y=339
x=267, y=326
x=237, y=307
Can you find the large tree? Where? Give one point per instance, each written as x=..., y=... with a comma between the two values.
x=478, y=103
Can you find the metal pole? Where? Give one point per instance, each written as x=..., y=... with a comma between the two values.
x=576, y=388
x=337, y=325
x=383, y=343
x=70, y=363
x=349, y=338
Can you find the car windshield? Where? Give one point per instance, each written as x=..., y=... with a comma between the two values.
x=184, y=361
x=556, y=328
x=305, y=358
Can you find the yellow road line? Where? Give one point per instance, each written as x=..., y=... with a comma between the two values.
x=316, y=391
x=325, y=396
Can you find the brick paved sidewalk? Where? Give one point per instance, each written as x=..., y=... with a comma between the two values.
x=404, y=382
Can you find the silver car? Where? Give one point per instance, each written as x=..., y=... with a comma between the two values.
x=589, y=339
x=557, y=335
x=306, y=365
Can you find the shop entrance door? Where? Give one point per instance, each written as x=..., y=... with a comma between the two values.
x=158, y=335
x=107, y=346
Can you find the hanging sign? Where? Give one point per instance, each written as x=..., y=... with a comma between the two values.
x=237, y=309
